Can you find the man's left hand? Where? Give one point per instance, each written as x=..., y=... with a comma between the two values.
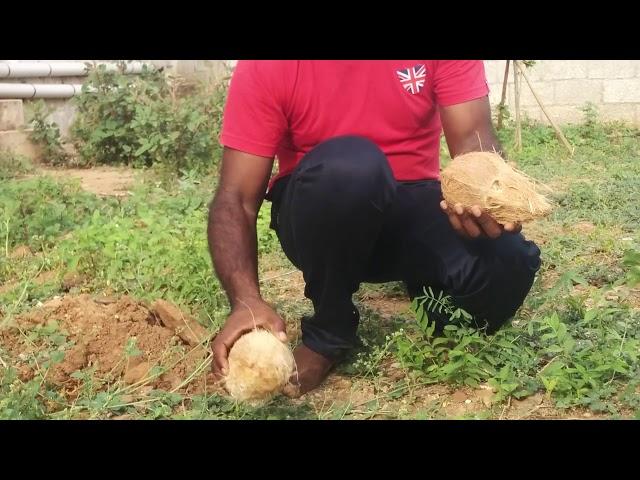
x=475, y=223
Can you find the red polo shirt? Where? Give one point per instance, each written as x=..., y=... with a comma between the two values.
x=285, y=108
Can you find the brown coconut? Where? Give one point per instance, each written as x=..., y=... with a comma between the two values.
x=260, y=366
x=486, y=180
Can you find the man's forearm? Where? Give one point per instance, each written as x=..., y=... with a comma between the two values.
x=233, y=246
x=485, y=141
x=490, y=143
x=468, y=128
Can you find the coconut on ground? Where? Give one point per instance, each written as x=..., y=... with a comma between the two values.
x=260, y=365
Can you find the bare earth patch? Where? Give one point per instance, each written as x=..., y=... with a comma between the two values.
x=103, y=181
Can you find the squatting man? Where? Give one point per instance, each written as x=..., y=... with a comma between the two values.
x=357, y=198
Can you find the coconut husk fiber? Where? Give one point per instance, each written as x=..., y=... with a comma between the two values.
x=486, y=180
x=260, y=366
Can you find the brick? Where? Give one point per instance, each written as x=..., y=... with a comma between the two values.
x=622, y=91
x=535, y=73
x=563, y=114
x=11, y=115
x=531, y=112
x=610, y=69
x=618, y=111
x=578, y=92
x=544, y=90
x=494, y=70
x=558, y=70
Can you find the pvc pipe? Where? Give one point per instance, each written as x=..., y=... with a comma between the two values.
x=60, y=69
x=29, y=90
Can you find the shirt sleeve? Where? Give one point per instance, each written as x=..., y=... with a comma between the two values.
x=254, y=118
x=459, y=81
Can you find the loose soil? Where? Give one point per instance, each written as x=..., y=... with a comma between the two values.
x=97, y=331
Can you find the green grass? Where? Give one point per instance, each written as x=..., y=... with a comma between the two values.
x=12, y=165
x=576, y=340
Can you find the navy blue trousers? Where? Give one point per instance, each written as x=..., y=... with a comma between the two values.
x=343, y=219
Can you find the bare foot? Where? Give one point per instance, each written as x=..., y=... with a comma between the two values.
x=313, y=368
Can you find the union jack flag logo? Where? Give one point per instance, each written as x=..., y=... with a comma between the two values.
x=412, y=79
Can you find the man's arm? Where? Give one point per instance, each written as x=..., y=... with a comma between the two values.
x=232, y=223
x=468, y=128
x=233, y=247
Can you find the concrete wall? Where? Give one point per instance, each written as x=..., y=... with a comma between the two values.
x=565, y=86
x=205, y=70
x=63, y=109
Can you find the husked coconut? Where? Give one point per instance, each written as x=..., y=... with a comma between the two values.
x=486, y=180
x=260, y=366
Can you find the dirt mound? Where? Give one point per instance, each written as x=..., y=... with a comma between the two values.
x=122, y=340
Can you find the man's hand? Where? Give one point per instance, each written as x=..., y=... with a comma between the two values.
x=475, y=223
x=244, y=317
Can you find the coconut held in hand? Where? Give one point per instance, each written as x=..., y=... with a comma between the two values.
x=260, y=366
x=486, y=180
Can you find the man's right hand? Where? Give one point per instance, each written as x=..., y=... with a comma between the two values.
x=245, y=316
